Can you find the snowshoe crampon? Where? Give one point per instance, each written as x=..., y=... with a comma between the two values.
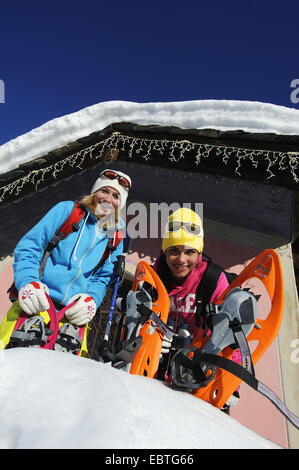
x=216, y=385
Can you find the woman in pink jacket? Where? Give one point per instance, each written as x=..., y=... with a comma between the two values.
x=181, y=267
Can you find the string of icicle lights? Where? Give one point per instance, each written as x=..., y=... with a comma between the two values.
x=174, y=151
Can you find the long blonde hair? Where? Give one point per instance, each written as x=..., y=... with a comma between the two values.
x=111, y=222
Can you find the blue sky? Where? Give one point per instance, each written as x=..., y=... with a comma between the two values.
x=59, y=57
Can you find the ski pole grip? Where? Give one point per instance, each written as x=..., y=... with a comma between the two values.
x=120, y=268
x=127, y=243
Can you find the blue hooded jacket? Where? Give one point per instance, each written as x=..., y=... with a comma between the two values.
x=69, y=268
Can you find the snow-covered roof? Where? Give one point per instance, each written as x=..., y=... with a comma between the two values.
x=237, y=139
x=223, y=115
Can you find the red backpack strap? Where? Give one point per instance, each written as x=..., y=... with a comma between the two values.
x=111, y=246
x=71, y=224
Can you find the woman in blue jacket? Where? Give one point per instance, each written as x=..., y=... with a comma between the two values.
x=69, y=272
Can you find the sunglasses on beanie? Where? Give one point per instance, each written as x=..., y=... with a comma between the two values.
x=111, y=175
x=189, y=227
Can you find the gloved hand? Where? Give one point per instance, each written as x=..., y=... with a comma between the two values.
x=83, y=311
x=166, y=345
x=32, y=298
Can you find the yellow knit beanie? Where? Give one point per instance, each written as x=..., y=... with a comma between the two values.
x=182, y=236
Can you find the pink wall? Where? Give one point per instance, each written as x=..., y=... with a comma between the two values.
x=6, y=279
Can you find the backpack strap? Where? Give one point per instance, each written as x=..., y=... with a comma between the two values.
x=111, y=246
x=205, y=288
x=70, y=225
x=72, y=222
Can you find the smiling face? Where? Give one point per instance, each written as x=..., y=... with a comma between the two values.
x=181, y=260
x=106, y=201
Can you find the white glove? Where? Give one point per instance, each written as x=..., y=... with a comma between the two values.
x=32, y=298
x=166, y=345
x=83, y=311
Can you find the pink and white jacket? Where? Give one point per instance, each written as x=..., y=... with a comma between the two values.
x=182, y=297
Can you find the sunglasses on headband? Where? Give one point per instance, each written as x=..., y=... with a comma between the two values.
x=111, y=175
x=190, y=227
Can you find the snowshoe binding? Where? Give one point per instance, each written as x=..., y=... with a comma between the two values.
x=43, y=330
x=133, y=324
x=145, y=324
x=231, y=322
x=68, y=339
x=32, y=333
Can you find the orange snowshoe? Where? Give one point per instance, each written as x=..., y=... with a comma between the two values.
x=218, y=385
x=145, y=324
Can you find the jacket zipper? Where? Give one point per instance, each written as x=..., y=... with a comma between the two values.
x=80, y=271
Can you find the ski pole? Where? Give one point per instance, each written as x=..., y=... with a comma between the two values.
x=120, y=270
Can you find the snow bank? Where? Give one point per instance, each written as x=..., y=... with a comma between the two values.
x=217, y=114
x=55, y=400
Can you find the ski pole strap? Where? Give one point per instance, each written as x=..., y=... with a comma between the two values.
x=248, y=378
x=120, y=267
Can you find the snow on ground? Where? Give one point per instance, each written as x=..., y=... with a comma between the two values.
x=198, y=114
x=56, y=400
